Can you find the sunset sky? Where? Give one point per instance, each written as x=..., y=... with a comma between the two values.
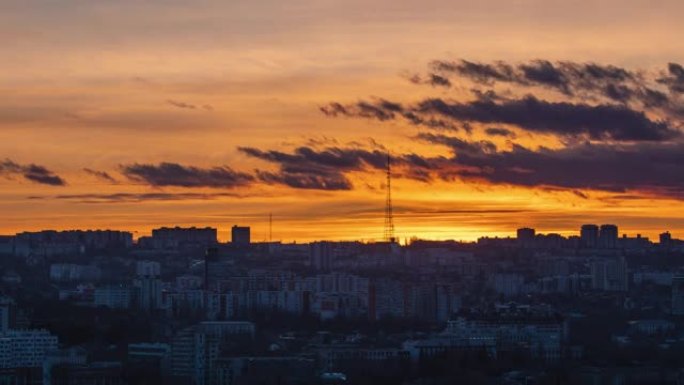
x=137, y=114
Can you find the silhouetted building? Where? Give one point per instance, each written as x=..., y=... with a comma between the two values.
x=322, y=255
x=7, y=313
x=525, y=237
x=109, y=373
x=608, y=236
x=609, y=274
x=665, y=238
x=265, y=370
x=240, y=235
x=25, y=348
x=678, y=295
x=195, y=350
x=51, y=242
x=174, y=237
x=148, y=284
x=113, y=296
x=589, y=236
x=6, y=244
x=634, y=243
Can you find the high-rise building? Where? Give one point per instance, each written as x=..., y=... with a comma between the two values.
x=148, y=283
x=608, y=236
x=7, y=307
x=25, y=348
x=665, y=239
x=51, y=242
x=321, y=255
x=589, y=236
x=113, y=296
x=147, y=269
x=240, y=235
x=195, y=350
x=525, y=236
x=174, y=237
x=609, y=274
x=678, y=295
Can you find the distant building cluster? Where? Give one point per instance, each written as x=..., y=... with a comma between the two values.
x=591, y=237
x=48, y=243
x=181, y=307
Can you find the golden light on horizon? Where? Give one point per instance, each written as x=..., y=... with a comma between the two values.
x=111, y=87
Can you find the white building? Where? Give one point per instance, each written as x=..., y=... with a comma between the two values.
x=26, y=348
x=115, y=297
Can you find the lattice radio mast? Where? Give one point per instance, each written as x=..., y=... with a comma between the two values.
x=389, y=216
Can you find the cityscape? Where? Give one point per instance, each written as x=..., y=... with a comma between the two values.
x=341, y=192
x=180, y=307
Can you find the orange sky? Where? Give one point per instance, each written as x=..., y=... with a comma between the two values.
x=101, y=84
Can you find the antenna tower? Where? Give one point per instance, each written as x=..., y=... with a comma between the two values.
x=389, y=216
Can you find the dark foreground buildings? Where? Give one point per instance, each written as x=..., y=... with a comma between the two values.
x=180, y=307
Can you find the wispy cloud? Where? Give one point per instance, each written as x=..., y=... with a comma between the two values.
x=174, y=174
x=31, y=172
x=189, y=106
x=135, y=197
x=102, y=175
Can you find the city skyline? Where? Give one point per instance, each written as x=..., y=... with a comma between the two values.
x=330, y=192
x=242, y=235
x=135, y=116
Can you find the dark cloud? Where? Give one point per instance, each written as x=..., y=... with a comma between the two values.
x=135, y=197
x=618, y=92
x=103, y=175
x=620, y=127
x=189, y=106
x=651, y=168
x=580, y=194
x=598, y=122
x=174, y=174
x=31, y=172
x=432, y=79
x=381, y=110
x=384, y=110
x=595, y=80
x=566, y=77
x=647, y=168
x=584, y=81
x=674, y=79
x=593, y=71
x=480, y=72
x=327, y=169
x=307, y=168
x=329, y=181
x=431, y=122
x=497, y=131
x=438, y=80
x=543, y=72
